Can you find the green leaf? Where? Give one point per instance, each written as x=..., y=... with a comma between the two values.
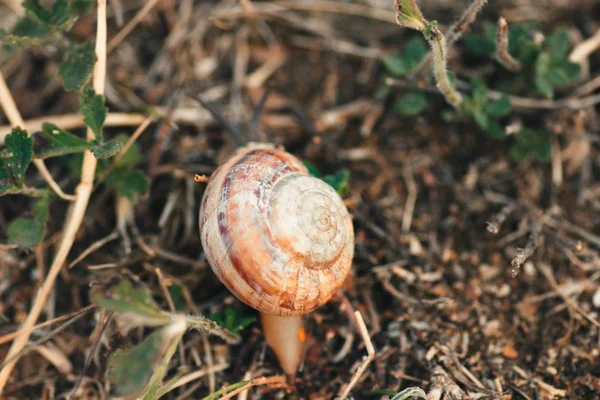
x=94, y=111
x=411, y=103
x=544, y=86
x=500, y=107
x=416, y=50
x=483, y=45
x=409, y=15
x=126, y=295
x=395, y=64
x=14, y=159
x=232, y=320
x=29, y=231
x=132, y=156
x=81, y=6
x=77, y=66
x=481, y=119
x=495, y=130
x=402, y=62
x=53, y=141
x=339, y=181
x=107, y=149
x=479, y=92
x=312, y=169
x=141, y=369
x=58, y=18
x=558, y=77
x=532, y=142
x=132, y=185
x=558, y=44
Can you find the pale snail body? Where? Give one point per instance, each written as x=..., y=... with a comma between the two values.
x=281, y=240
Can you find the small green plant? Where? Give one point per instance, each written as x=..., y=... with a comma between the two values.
x=138, y=371
x=340, y=181
x=231, y=320
x=42, y=26
x=527, y=64
x=545, y=66
x=49, y=26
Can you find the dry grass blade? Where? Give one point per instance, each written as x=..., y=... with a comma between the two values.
x=364, y=333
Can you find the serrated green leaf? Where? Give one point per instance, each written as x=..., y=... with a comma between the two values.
x=58, y=18
x=29, y=231
x=107, y=149
x=14, y=159
x=53, y=141
x=128, y=296
x=500, y=107
x=411, y=103
x=94, y=111
x=339, y=181
x=409, y=15
x=132, y=185
x=77, y=66
x=141, y=369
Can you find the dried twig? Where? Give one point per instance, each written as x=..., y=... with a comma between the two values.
x=524, y=253
x=502, y=54
x=494, y=226
x=367, y=360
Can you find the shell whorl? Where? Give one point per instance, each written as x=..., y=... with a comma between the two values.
x=280, y=240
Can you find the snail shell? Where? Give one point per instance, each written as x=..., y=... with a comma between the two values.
x=281, y=240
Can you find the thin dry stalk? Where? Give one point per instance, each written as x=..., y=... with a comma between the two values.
x=493, y=227
x=273, y=380
x=502, y=54
x=9, y=106
x=362, y=328
x=10, y=336
x=114, y=42
x=585, y=48
x=75, y=217
x=524, y=253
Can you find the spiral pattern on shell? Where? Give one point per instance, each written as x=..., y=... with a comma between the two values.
x=281, y=240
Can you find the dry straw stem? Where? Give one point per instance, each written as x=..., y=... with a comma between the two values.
x=14, y=116
x=114, y=42
x=502, y=53
x=76, y=212
x=362, y=328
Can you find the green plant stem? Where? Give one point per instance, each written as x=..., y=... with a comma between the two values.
x=440, y=72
